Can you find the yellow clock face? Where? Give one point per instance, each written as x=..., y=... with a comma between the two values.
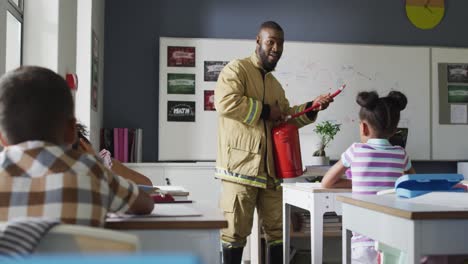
x=425, y=14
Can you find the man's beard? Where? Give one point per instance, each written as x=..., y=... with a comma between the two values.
x=267, y=65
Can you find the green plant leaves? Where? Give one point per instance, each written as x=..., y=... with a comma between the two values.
x=327, y=131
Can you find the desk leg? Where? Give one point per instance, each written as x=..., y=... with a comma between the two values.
x=316, y=235
x=255, y=241
x=414, y=250
x=286, y=231
x=345, y=245
x=414, y=256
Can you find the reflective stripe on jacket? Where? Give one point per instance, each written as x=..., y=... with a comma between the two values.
x=244, y=139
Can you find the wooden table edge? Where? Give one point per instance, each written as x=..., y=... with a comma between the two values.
x=160, y=225
x=432, y=215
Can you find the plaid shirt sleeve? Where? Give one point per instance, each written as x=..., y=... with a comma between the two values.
x=122, y=193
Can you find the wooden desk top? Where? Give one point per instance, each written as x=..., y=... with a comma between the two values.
x=432, y=206
x=211, y=218
x=313, y=187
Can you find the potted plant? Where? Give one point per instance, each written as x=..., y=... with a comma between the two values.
x=326, y=131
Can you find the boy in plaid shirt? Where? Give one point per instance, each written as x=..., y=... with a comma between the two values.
x=40, y=174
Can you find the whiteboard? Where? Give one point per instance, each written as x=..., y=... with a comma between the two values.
x=448, y=141
x=305, y=71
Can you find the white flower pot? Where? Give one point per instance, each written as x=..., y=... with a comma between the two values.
x=319, y=161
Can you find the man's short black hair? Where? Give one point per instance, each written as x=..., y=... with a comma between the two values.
x=35, y=104
x=272, y=25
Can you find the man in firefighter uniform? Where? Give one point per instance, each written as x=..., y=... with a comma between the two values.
x=250, y=102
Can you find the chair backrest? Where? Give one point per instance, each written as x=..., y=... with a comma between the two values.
x=80, y=239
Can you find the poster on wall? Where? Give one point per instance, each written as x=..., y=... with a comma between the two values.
x=180, y=83
x=209, y=100
x=212, y=70
x=180, y=56
x=94, y=72
x=458, y=93
x=457, y=73
x=458, y=114
x=180, y=111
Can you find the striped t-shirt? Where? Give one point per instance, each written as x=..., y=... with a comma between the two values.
x=373, y=166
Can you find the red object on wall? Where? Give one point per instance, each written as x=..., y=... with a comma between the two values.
x=72, y=80
x=287, y=150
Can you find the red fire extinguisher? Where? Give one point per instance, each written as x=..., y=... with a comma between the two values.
x=287, y=149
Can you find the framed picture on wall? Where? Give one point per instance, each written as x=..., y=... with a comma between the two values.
x=209, y=100
x=457, y=73
x=180, y=56
x=181, y=111
x=457, y=93
x=212, y=70
x=94, y=71
x=180, y=83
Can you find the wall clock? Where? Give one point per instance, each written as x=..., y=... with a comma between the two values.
x=425, y=14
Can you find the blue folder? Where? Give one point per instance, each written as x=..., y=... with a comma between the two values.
x=413, y=185
x=103, y=259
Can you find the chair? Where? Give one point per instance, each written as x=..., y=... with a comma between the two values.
x=390, y=255
x=79, y=239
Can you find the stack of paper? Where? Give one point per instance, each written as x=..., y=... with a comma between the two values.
x=179, y=193
x=173, y=190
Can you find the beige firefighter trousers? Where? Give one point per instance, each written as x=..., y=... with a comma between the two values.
x=238, y=202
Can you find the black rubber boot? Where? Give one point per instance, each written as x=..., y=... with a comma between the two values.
x=232, y=255
x=275, y=254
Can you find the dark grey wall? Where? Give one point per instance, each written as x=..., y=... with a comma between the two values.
x=132, y=30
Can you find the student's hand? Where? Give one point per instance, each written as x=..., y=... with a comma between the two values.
x=275, y=113
x=324, y=100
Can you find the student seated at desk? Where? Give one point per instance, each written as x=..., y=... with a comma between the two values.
x=40, y=175
x=82, y=143
x=374, y=164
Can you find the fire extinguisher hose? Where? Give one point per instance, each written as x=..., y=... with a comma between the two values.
x=316, y=105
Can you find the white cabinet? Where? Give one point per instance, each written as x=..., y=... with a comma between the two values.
x=200, y=182
x=198, y=178
x=154, y=173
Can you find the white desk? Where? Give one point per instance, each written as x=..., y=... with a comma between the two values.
x=317, y=201
x=432, y=224
x=195, y=235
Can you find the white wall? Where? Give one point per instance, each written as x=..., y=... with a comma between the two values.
x=41, y=35
x=90, y=17
x=49, y=35
x=67, y=37
x=2, y=36
x=58, y=35
x=83, y=61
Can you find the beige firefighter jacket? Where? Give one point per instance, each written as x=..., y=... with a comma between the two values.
x=245, y=150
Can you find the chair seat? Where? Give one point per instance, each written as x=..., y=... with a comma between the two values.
x=73, y=239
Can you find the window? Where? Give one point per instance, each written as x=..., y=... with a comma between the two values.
x=13, y=43
x=16, y=2
x=11, y=34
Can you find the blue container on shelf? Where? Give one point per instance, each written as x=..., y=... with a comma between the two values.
x=413, y=185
